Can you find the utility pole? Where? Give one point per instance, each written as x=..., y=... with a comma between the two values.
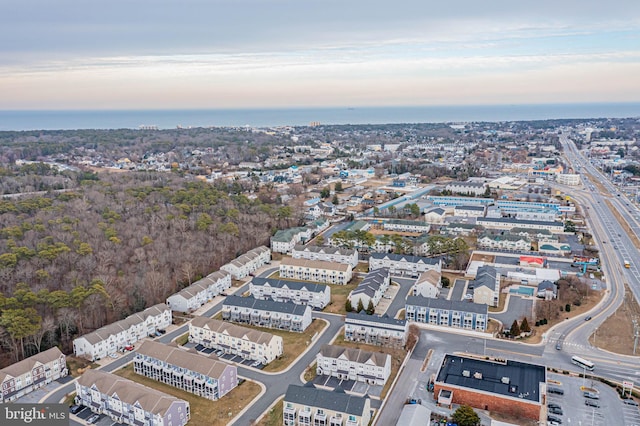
x=636, y=335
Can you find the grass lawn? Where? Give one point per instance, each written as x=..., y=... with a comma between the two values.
x=203, y=411
x=273, y=416
x=397, y=356
x=81, y=364
x=501, y=301
x=339, y=294
x=310, y=372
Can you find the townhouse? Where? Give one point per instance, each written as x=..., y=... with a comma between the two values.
x=301, y=293
x=326, y=254
x=371, y=289
x=401, y=225
x=284, y=240
x=486, y=286
x=400, y=264
x=234, y=339
x=468, y=211
x=456, y=200
x=316, y=270
x=504, y=241
x=194, y=373
x=373, y=368
x=32, y=373
x=267, y=313
x=114, y=337
x=248, y=263
x=428, y=284
x=307, y=405
x=508, y=223
x=471, y=188
x=458, y=229
x=128, y=402
x=202, y=291
x=448, y=313
x=375, y=330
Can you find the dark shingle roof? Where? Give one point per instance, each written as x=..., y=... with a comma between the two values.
x=330, y=400
x=518, y=221
x=293, y=285
x=266, y=305
x=451, y=305
x=412, y=259
x=374, y=318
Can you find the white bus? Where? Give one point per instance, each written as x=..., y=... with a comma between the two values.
x=581, y=362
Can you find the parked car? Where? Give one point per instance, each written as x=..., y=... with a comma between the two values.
x=551, y=418
x=128, y=348
x=592, y=403
x=630, y=401
x=161, y=331
x=588, y=318
x=591, y=395
x=552, y=405
x=557, y=391
x=91, y=420
x=255, y=363
x=75, y=409
x=556, y=410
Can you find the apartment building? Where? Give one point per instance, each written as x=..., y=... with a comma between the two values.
x=468, y=211
x=326, y=254
x=375, y=330
x=284, y=240
x=371, y=289
x=447, y=313
x=486, y=286
x=504, y=241
x=202, y=291
x=128, y=402
x=301, y=293
x=373, y=368
x=194, y=373
x=471, y=188
x=508, y=223
x=248, y=263
x=402, y=225
x=32, y=373
x=267, y=313
x=400, y=264
x=458, y=229
x=316, y=270
x=114, y=337
x=428, y=284
x=307, y=405
x=234, y=339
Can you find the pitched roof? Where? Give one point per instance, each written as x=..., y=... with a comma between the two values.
x=293, y=285
x=316, y=264
x=335, y=400
x=286, y=235
x=27, y=364
x=325, y=250
x=372, y=282
x=411, y=259
x=384, y=320
x=450, y=305
x=266, y=305
x=431, y=276
x=233, y=330
x=359, y=356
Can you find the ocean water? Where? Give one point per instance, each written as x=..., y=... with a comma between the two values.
x=169, y=119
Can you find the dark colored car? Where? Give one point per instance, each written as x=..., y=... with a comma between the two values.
x=556, y=419
x=553, y=389
x=588, y=318
x=630, y=401
x=75, y=409
x=552, y=405
x=591, y=403
x=556, y=410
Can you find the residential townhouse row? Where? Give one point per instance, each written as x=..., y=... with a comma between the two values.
x=194, y=373
x=307, y=405
x=301, y=293
x=284, y=240
x=399, y=264
x=114, y=337
x=375, y=330
x=371, y=288
x=447, y=313
x=248, y=263
x=326, y=254
x=267, y=313
x=486, y=286
x=128, y=402
x=316, y=270
x=508, y=223
x=234, y=339
x=32, y=373
x=202, y=291
x=373, y=368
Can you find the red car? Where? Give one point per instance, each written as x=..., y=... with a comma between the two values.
x=128, y=348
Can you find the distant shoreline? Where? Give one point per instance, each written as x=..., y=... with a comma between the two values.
x=23, y=120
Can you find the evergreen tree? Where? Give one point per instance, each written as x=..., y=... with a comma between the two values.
x=347, y=306
x=360, y=306
x=370, y=308
x=515, y=329
x=524, y=326
x=465, y=416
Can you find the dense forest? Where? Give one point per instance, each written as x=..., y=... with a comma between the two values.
x=76, y=259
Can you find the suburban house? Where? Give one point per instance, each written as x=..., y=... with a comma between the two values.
x=248, y=263
x=547, y=290
x=284, y=240
x=301, y=293
x=267, y=313
x=234, y=339
x=402, y=225
x=194, y=373
x=128, y=402
x=428, y=284
x=400, y=264
x=202, y=291
x=114, y=337
x=375, y=330
x=486, y=286
x=371, y=289
x=504, y=241
x=343, y=363
x=447, y=313
x=316, y=270
x=327, y=254
x=307, y=405
x=32, y=373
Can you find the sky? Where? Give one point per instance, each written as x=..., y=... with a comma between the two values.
x=183, y=54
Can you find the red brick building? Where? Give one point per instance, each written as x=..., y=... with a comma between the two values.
x=510, y=387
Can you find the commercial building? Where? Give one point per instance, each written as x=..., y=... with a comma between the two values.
x=194, y=373
x=301, y=293
x=307, y=405
x=447, y=313
x=371, y=288
x=32, y=373
x=114, y=337
x=234, y=339
x=128, y=402
x=510, y=387
x=202, y=291
x=400, y=264
x=316, y=270
x=248, y=263
x=373, y=368
x=326, y=254
x=267, y=313
x=375, y=330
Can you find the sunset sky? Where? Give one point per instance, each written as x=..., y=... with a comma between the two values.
x=132, y=54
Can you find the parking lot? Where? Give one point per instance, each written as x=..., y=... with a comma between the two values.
x=227, y=357
x=348, y=385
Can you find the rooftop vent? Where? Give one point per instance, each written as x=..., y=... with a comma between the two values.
x=505, y=380
x=477, y=375
x=466, y=373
